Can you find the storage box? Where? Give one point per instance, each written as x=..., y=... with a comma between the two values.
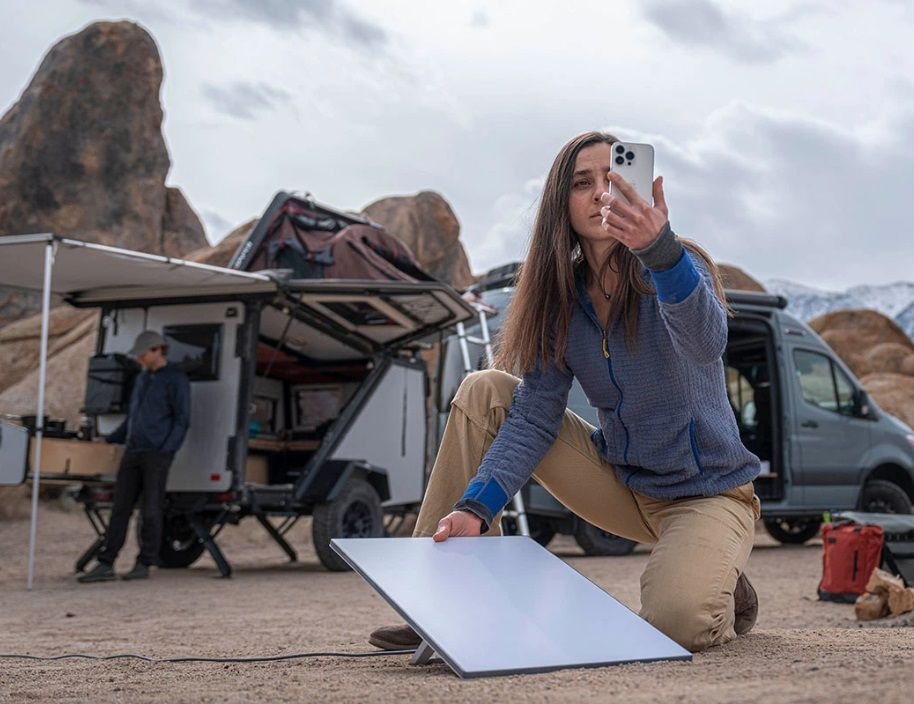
x=76, y=457
x=257, y=469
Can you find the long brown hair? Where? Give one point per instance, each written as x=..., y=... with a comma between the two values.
x=536, y=323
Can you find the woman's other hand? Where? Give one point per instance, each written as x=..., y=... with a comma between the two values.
x=458, y=524
x=635, y=224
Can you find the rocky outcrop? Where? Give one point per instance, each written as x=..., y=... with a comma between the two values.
x=878, y=351
x=737, y=279
x=71, y=342
x=82, y=151
x=182, y=231
x=894, y=393
x=867, y=341
x=16, y=304
x=428, y=226
x=221, y=254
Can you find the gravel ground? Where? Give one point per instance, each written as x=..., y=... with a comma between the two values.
x=801, y=650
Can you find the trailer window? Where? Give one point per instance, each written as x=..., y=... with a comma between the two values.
x=195, y=349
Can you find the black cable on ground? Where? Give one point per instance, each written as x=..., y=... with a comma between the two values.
x=146, y=658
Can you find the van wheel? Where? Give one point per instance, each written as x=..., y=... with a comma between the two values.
x=541, y=529
x=355, y=513
x=792, y=531
x=881, y=496
x=180, y=545
x=595, y=541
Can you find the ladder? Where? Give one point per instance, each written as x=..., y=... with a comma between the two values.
x=517, y=511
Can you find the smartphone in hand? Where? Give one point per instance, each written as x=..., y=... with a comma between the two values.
x=635, y=163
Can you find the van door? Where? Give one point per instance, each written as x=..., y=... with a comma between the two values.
x=829, y=440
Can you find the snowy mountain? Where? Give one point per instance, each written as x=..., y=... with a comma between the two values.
x=893, y=300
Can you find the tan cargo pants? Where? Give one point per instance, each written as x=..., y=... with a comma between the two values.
x=700, y=545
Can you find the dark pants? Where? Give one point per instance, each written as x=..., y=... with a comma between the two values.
x=141, y=474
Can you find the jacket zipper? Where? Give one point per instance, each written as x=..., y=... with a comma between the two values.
x=605, y=350
x=612, y=376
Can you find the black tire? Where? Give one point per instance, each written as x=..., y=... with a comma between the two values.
x=881, y=496
x=180, y=545
x=355, y=513
x=541, y=529
x=792, y=531
x=596, y=541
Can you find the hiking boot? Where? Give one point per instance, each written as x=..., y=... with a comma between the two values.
x=745, y=605
x=139, y=571
x=395, y=638
x=102, y=572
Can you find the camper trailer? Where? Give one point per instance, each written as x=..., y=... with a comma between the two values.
x=307, y=395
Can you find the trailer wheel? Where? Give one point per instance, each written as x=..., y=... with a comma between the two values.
x=355, y=513
x=180, y=545
x=881, y=496
x=595, y=541
x=792, y=531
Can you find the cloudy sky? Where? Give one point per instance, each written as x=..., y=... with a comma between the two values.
x=784, y=130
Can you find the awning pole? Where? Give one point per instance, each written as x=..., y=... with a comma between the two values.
x=39, y=418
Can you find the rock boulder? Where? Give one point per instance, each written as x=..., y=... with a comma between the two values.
x=82, y=151
x=894, y=393
x=428, y=226
x=737, y=279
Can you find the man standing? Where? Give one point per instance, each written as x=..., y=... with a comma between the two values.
x=153, y=431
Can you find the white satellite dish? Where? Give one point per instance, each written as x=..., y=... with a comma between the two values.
x=502, y=606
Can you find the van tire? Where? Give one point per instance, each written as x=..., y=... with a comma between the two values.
x=596, y=541
x=792, y=531
x=541, y=529
x=881, y=496
x=355, y=513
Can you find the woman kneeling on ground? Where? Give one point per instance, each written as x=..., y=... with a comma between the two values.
x=608, y=294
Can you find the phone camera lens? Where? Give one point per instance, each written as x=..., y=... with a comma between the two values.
x=620, y=160
x=619, y=149
x=629, y=155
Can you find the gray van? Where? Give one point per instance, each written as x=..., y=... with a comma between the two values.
x=824, y=445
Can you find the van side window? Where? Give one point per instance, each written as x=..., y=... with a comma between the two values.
x=845, y=392
x=823, y=384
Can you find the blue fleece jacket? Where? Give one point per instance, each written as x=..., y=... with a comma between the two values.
x=665, y=421
x=159, y=412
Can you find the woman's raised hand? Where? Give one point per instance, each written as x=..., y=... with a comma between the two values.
x=635, y=224
x=458, y=524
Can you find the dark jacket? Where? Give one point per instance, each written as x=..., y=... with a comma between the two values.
x=159, y=412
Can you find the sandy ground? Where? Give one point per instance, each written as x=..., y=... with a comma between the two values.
x=801, y=650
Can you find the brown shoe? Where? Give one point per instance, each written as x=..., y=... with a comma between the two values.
x=745, y=605
x=395, y=638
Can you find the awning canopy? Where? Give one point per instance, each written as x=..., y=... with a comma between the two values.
x=86, y=273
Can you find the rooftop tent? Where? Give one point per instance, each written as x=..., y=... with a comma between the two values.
x=85, y=273
x=315, y=241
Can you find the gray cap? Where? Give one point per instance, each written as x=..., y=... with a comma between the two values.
x=145, y=341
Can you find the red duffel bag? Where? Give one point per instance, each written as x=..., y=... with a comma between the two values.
x=850, y=552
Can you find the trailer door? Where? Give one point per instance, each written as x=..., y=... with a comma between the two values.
x=202, y=340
